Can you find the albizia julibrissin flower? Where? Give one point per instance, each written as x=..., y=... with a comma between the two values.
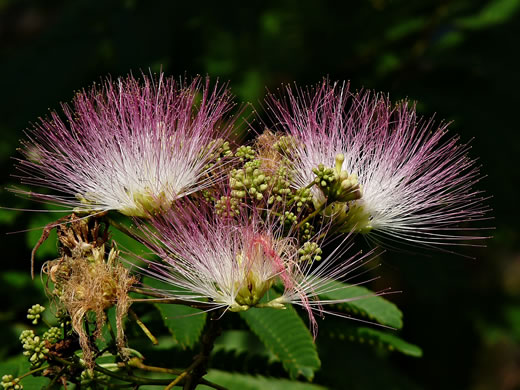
x=404, y=177
x=129, y=145
x=233, y=264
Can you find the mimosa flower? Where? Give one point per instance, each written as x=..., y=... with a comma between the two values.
x=401, y=176
x=234, y=265
x=128, y=145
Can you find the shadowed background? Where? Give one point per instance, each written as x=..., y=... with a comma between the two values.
x=458, y=59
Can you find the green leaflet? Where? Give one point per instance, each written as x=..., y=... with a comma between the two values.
x=184, y=323
x=376, y=338
x=285, y=334
x=373, y=308
x=235, y=381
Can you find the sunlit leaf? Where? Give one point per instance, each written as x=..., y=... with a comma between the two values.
x=184, y=323
x=368, y=306
x=285, y=334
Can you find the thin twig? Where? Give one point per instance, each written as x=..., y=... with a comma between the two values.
x=311, y=215
x=136, y=363
x=199, y=359
x=127, y=378
x=32, y=372
x=176, y=380
x=143, y=327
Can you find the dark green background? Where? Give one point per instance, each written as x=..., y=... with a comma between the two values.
x=458, y=59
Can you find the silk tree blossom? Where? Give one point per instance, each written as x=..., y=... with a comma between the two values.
x=128, y=145
x=233, y=264
x=406, y=178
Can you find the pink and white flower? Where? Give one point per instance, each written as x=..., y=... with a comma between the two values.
x=128, y=145
x=234, y=265
x=417, y=183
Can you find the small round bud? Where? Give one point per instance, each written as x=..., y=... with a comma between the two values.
x=34, y=313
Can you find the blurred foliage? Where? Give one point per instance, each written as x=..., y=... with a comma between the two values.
x=458, y=58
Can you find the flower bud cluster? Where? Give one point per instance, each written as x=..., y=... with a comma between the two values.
x=63, y=318
x=89, y=377
x=219, y=150
x=302, y=197
x=310, y=251
x=289, y=218
x=227, y=207
x=245, y=153
x=337, y=185
x=285, y=144
x=280, y=184
x=307, y=231
x=34, y=313
x=11, y=383
x=250, y=180
x=34, y=347
x=52, y=335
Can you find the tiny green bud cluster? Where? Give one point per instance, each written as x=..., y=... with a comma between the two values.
x=245, y=153
x=307, y=231
x=285, y=144
x=219, y=152
x=52, y=335
x=11, y=383
x=227, y=207
x=336, y=184
x=289, y=218
x=88, y=377
x=310, y=251
x=34, y=347
x=249, y=180
x=63, y=318
x=302, y=197
x=34, y=313
x=280, y=184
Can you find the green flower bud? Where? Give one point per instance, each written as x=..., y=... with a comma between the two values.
x=310, y=251
x=52, y=335
x=34, y=313
x=227, y=206
x=34, y=347
x=337, y=185
x=245, y=153
x=11, y=383
x=289, y=219
x=307, y=231
x=248, y=180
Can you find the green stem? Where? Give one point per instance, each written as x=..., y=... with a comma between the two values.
x=143, y=327
x=136, y=363
x=127, y=378
x=32, y=372
x=308, y=186
x=310, y=216
x=132, y=378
